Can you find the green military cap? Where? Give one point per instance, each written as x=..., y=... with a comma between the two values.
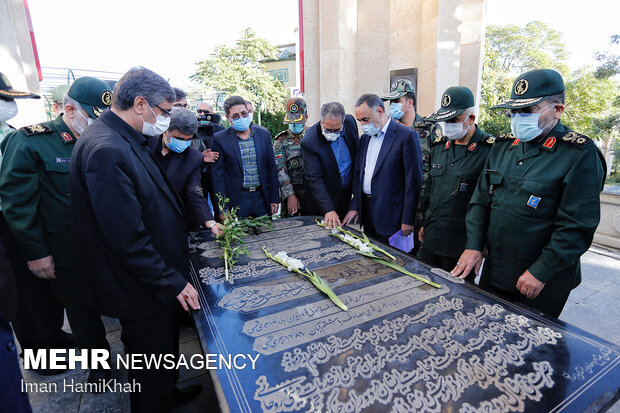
x=58, y=93
x=455, y=100
x=399, y=89
x=533, y=87
x=93, y=94
x=296, y=111
x=7, y=91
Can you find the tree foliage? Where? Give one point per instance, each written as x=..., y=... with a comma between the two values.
x=236, y=70
x=512, y=50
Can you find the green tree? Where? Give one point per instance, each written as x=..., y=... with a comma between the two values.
x=512, y=50
x=509, y=51
x=236, y=70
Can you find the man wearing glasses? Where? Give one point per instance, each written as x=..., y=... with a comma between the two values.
x=328, y=151
x=536, y=205
x=130, y=240
x=245, y=172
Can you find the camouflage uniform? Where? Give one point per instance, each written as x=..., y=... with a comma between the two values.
x=428, y=132
x=287, y=150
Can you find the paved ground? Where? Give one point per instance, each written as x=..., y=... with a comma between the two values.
x=594, y=306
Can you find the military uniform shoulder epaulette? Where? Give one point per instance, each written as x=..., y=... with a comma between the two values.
x=486, y=138
x=36, y=129
x=577, y=139
x=281, y=135
x=438, y=140
x=505, y=137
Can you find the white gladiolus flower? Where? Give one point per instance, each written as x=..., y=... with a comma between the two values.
x=357, y=243
x=290, y=262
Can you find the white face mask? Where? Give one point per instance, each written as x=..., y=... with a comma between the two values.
x=455, y=131
x=155, y=129
x=79, y=126
x=331, y=137
x=8, y=110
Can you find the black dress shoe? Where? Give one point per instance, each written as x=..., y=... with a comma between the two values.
x=98, y=376
x=186, y=394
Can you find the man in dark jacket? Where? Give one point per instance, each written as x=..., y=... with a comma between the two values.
x=245, y=172
x=328, y=151
x=129, y=230
x=182, y=165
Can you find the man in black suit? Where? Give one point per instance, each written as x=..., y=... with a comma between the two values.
x=182, y=165
x=129, y=231
x=388, y=173
x=328, y=151
x=245, y=172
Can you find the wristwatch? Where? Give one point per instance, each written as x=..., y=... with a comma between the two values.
x=211, y=226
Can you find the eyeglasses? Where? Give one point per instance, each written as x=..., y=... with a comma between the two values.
x=180, y=105
x=332, y=130
x=166, y=113
x=202, y=111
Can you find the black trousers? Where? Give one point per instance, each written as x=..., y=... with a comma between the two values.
x=368, y=221
x=86, y=324
x=40, y=315
x=548, y=301
x=158, y=334
x=444, y=262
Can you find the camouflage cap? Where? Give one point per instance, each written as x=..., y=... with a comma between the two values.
x=399, y=89
x=58, y=93
x=533, y=87
x=93, y=94
x=454, y=101
x=296, y=111
x=7, y=91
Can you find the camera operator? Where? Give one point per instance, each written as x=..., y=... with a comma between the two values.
x=208, y=125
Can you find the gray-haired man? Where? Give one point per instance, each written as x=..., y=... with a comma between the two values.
x=129, y=230
x=328, y=151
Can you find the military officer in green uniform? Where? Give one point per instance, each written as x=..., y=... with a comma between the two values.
x=402, y=99
x=34, y=188
x=58, y=95
x=536, y=205
x=457, y=160
x=287, y=150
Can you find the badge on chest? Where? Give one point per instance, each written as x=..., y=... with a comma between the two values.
x=533, y=201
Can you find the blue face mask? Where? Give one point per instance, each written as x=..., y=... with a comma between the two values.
x=241, y=124
x=395, y=110
x=296, y=128
x=525, y=127
x=178, y=145
x=370, y=129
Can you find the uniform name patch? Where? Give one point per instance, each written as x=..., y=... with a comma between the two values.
x=533, y=201
x=63, y=160
x=437, y=166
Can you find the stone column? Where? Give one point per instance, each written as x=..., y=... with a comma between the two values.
x=17, y=57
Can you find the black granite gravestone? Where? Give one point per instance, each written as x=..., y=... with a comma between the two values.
x=403, y=346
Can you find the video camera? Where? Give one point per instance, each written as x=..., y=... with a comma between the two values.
x=209, y=117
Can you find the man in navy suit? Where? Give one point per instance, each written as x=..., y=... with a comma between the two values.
x=388, y=173
x=328, y=151
x=245, y=172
